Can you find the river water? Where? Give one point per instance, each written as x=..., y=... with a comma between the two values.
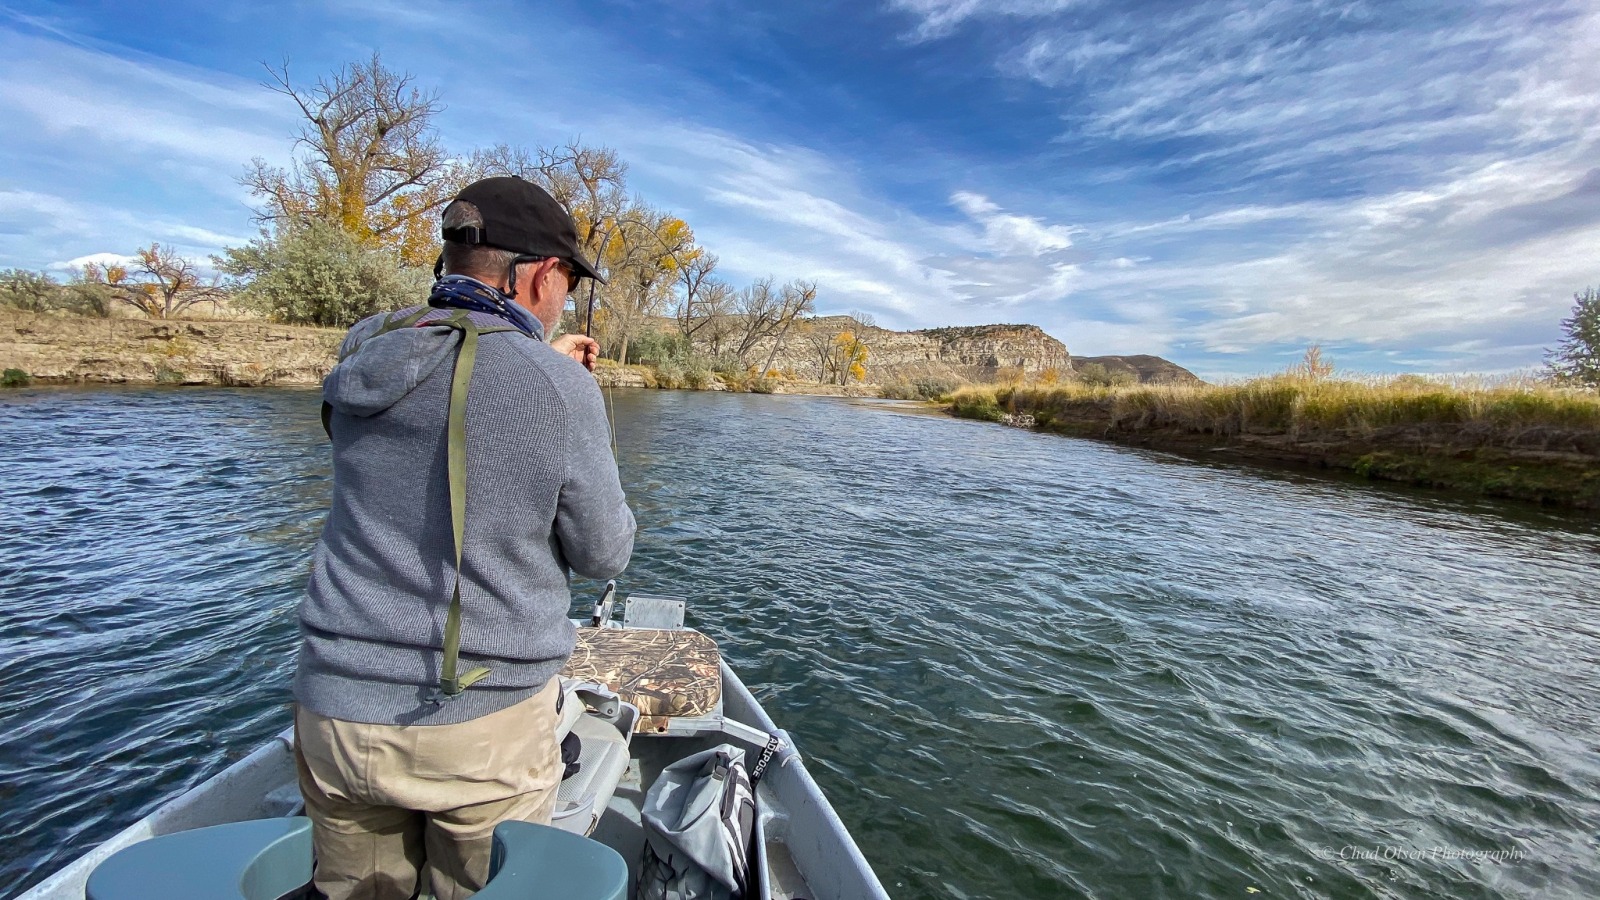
x=1020, y=665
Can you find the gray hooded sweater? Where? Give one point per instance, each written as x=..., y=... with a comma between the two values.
x=543, y=501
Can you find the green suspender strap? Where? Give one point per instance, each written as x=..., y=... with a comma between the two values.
x=451, y=684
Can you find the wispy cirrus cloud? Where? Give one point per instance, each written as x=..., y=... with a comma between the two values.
x=1009, y=234
x=152, y=110
x=109, y=151
x=937, y=18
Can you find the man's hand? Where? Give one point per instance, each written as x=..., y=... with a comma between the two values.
x=580, y=347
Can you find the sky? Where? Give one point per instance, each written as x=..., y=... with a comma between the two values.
x=1415, y=186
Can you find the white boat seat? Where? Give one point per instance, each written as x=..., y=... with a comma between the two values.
x=672, y=675
x=604, y=725
x=265, y=859
x=583, y=798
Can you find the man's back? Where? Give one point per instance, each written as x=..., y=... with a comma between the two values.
x=542, y=495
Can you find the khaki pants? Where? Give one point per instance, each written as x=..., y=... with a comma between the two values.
x=388, y=802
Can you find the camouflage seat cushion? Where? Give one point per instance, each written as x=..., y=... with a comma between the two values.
x=665, y=673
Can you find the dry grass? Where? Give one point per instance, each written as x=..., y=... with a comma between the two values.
x=1500, y=437
x=1300, y=407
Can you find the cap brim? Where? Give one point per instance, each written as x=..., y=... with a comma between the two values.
x=585, y=269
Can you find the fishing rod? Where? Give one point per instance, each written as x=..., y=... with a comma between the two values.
x=611, y=408
x=588, y=321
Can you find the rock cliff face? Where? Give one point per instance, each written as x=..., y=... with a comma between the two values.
x=69, y=348
x=974, y=353
x=997, y=347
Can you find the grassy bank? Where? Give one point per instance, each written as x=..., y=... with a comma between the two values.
x=1518, y=440
x=612, y=374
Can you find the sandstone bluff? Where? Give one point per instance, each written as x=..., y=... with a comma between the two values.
x=59, y=348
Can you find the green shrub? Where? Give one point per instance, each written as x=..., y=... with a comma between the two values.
x=30, y=291
x=316, y=274
x=38, y=292
x=652, y=348
x=697, y=375
x=14, y=378
x=977, y=403
x=924, y=388
x=1097, y=375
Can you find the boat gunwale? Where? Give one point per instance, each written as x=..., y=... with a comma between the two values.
x=809, y=819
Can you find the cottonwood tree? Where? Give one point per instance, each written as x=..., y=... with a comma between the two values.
x=768, y=313
x=756, y=307
x=159, y=283
x=643, y=256
x=368, y=160
x=644, y=252
x=852, y=357
x=1576, y=360
x=1313, y=366
x=697, y=278
x=797, y=299
x=840, y=345
x=714, y=323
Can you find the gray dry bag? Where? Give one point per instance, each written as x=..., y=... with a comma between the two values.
x=701, y=830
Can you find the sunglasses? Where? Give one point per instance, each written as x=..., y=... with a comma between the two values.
x=572, y=275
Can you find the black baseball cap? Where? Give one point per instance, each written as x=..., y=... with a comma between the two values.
x=522, y=217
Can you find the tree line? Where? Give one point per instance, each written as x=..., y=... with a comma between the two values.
x=350, y=228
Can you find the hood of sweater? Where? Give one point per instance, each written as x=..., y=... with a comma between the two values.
x=378, y=372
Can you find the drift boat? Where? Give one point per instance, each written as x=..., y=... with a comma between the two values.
x=650, y=692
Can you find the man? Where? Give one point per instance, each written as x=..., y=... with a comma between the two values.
x=409, y=756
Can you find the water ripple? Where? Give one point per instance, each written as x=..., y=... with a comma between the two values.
x=1021, y=666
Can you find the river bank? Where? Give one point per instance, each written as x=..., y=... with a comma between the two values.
x=1538, y=445
x=1541, y=446
x=60, y=349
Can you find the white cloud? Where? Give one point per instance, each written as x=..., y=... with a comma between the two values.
x=1494, y=252
x=22, y=211
x=54, y=223
x=787, y=211
x=937, y=18
x=107, y=150
x=156, y=108
x=1007, y=234
x=97, y=259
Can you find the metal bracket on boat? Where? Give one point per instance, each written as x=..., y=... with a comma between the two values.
x=602, y=607
x=600, y=698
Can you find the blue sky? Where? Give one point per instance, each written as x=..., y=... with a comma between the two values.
x=1414, y=185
